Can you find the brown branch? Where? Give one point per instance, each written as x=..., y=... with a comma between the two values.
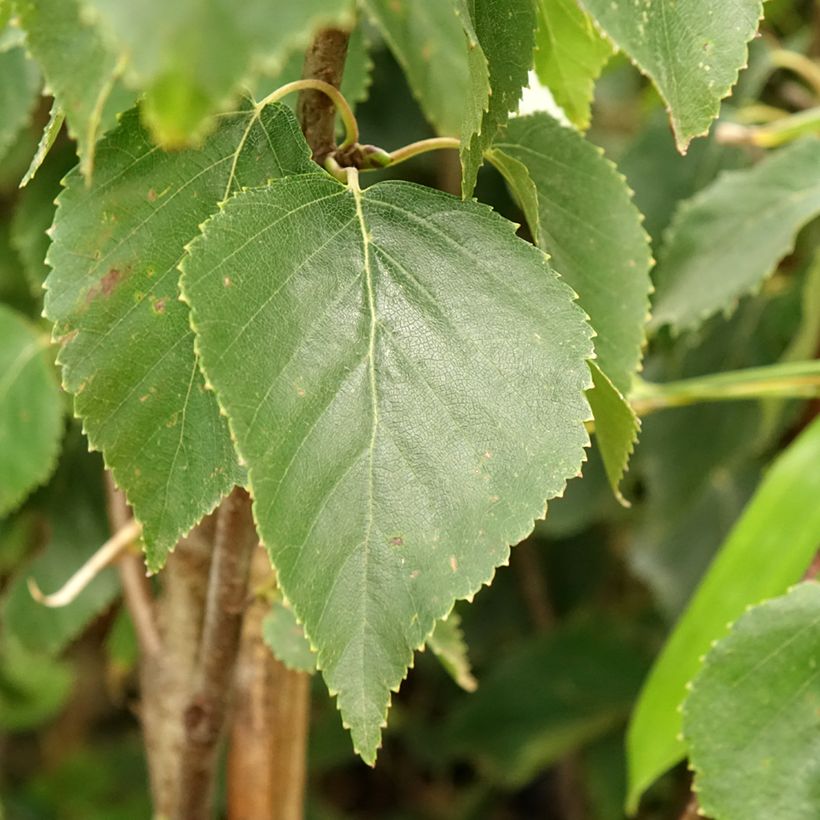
x=324, y=60
x=204, y=715
x=267, y=755
x=136, y=589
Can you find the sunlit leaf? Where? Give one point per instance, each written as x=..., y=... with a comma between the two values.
x=570, y=53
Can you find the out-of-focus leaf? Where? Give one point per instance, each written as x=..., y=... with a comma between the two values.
x=33, y=687
x=580, y=211
x=19, y=84
x=548, y=697
x=570, y=54
x=422, y=316
x=31, y=419
x=286, y=639
x=191, y=56
x=14, y=287
x=691, y=49
x=768, y=549
x=751, y=721
x=33, y=217
x=74, y=509
x=52, y=128
x=127, y=346
x=740, y=226
x=81, y=72
x=501, y=38
x=427, y=39
x=616, y=428
x=449, y=646
x=661, y=178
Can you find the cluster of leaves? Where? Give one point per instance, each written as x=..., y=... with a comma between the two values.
x=399, y=379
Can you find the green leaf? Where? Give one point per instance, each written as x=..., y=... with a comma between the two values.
x=33, y=687
x=128, y=354
x=74, y=513
x=768, y=549
x=286, y=639
x=550, y=696
x=580, y=211
x=448, y=645
x=569, y=56
x=427, y=40
x=692, y=51
x=751, y=719
x=501, y=38
x=56, y=118
x=741, y=226
x=191, y=57
x=81, y=72
x=33, y=217
x=396, y=449
x=616, y=428
x=19, y=84
x=31, y=422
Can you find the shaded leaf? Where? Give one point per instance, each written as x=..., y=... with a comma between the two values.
x=190, y=57
x=31, y=419
x=448, y=645
x=19, y=84
x=548, y=697
x=501, y=38
x=740, y=226
x=286, y=639
x=33, y=217
x=569, y=56
x=427, y=39
x=127, y=347
x=81, y=72
x=395, y=451
x=33, y=687
x=74, y=510
x=751, y=719
x=580, y=210
x=691, y=49
x=768, y=549
x=616, y=428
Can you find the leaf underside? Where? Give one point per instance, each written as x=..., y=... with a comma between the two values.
x=127, y=347
x=691, y=49
x=403, y=409
x=751, y=721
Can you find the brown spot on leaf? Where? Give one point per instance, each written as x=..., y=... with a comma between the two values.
x=397, y=541
x=110, y=281
x=152, y=195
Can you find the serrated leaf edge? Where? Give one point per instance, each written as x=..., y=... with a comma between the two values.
x=526, y=530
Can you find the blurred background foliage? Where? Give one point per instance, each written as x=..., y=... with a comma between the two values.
x=561, y=641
